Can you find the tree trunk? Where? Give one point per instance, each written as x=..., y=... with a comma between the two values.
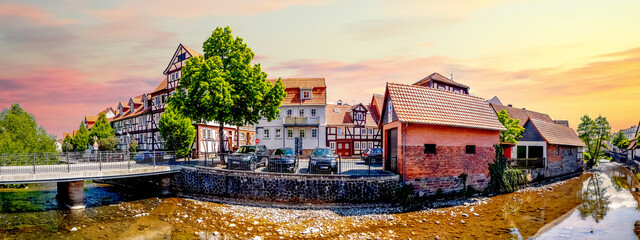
x=221, y=142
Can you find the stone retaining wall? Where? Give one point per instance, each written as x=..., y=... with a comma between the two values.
x=279, y=187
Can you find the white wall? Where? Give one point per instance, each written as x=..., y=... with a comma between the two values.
x=308, y=141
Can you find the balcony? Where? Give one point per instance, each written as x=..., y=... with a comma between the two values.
x=300, y=122
x=527, y=163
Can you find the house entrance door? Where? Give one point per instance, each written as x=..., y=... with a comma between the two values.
x=344, y=148
x=391, y=162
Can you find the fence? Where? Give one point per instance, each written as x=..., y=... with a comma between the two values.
x=33, y=163
x=302, y=165
x=527, y=163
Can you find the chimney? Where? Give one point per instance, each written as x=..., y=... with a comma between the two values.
x=524, y=109
x=339, y=102
x=510, y=105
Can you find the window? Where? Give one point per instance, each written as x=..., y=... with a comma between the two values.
x=182, y=57
x=332, y=145
x=339, y=130
x=278, y=133
x=289, y=133
x=313, y=112
x=314, y=133
x=370, y=145
x=266, y=133
x=471, y=149
x=289, y=112
x=301, y=112
x=535, y=152
x=363, y=131
x=429, y=149
x=306, y=94
x=301, y=133
x=570, y=151
x=521, y=152
x=339, y=146
x=356, y=145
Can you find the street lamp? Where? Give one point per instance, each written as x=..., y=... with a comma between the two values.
x=126, y=147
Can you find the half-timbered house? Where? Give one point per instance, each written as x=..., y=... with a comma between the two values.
x=353, y=129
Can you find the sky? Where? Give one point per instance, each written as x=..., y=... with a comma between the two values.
x=62, y=60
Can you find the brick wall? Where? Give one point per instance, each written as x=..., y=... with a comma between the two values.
x=563, y=162
x=429, y=172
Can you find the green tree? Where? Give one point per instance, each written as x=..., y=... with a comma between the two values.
x=514, y=130
x=81, y=139
x=20, y=133
x=223, y=86
x=503, y=178
x=593, y=133
x=177, y=131
x=108, y=143
x=618, y=139
x=101, y=128
x=133, y=146
x=67, y=144
x=624, y=144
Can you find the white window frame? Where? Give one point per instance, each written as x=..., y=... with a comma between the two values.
x=356, y=145
x=289, y=112
x=278, y=133
x=363, y=131
x=265, y=133
x=370, y=131
x=370, y=144
x=308, y=93
x=332, y=145
x=301, y=112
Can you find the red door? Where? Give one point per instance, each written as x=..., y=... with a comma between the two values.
x=344, y=148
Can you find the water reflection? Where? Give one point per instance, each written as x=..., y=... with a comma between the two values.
x=608, y=209
x=595, y=201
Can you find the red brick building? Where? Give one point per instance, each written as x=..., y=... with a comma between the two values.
x=431, y=136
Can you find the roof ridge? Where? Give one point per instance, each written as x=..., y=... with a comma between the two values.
x=441, y=90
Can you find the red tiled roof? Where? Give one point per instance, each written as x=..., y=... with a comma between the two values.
x=293, y=86
x=522, y=114
x=106, y=111
x=160, y=87
x=424, y=105
x=193, y=52
x=439, y=78
x=632, y=145
x=91, y=119
x=343, y=117
x=558, y=134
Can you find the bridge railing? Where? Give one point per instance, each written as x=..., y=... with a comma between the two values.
x=33, y=163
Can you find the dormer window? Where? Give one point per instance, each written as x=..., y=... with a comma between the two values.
x=306, y=94
x=146, y=103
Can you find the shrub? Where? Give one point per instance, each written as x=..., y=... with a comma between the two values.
x=404, y=194
x=503, y=178
x=107, y=144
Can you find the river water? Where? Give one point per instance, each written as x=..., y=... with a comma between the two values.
x=598, y=205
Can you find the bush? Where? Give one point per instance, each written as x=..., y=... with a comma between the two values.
x=107, y=144
x=133, y=146
x=404, y=194
x=503, y=178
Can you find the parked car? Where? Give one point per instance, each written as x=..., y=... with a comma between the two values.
x=249, y=157
x=89, y=154
x=322, y=160
x=145, y=156
x=115, y=157
x=283, y=159
x=372, y=155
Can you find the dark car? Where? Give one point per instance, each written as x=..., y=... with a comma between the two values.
x=372, y=155
x=322, y=160
x=249, y=157
x=283, y=160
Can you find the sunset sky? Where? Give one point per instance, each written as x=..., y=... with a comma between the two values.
x=62, y=60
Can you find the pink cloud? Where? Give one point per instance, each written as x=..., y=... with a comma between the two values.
x=60, y=98
x=32, y=13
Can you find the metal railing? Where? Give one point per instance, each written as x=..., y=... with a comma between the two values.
x=527, y=163
x=302, y=165
x=33, y=163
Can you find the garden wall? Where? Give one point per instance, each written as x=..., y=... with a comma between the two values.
x=280, y=187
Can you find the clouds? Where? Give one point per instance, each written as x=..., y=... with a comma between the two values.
x=32, y=14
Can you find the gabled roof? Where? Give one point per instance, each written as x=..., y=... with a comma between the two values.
x=106, y=111
x=439, y=78
x=424, y=105
x=91, y=119
x=557, y=134
x=495, y=100
x=632, y=145
x=379, y=98
x=522, y=114
x=160, y=87
x=294, y=85
x=175, y=55
x=342, y=116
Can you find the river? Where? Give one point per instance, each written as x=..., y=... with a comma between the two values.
x=596, y=205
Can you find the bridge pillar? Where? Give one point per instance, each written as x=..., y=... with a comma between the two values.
x=71, y=195
x=165, y=183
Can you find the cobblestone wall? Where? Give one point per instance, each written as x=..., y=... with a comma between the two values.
x=277, y=187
